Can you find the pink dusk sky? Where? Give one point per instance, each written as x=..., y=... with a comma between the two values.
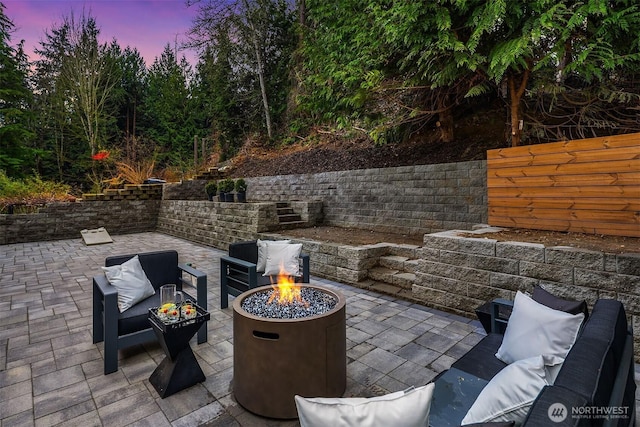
x=147, y=25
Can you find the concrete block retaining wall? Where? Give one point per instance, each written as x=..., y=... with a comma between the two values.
x=185, y=190
x=66, y=220
x=219, y=223
x=457, y=274
x=408, y=200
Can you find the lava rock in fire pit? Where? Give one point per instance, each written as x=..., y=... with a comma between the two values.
x=314, y=302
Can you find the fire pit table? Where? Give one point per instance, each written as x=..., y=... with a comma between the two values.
x=179, y=369
x=282, y=349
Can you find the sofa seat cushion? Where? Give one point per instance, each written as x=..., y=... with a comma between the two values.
x=137, y=317
x=454, y=393
x=568, y=306
x=480, y=361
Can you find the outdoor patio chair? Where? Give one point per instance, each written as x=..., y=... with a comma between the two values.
x=120, y=330
x=239, y=271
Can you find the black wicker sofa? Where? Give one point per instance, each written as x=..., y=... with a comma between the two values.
x=594, y=385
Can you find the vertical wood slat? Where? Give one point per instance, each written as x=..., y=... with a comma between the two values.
x=588, y=186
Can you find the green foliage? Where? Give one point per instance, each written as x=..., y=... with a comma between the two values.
x=211, y=187
x=16, y=155
x=375, y=67
x=240, y=185
x=30, y=191
x=226, y=185
x=167, y=113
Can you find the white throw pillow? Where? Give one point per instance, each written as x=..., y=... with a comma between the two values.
x=283, y=257
x=262, y=252
x=131, y=281
x=535, y=329
x=402, y=408
x=511, y=392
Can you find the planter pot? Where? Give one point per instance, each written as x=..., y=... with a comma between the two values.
x=222, y=196
x=211, y=197
x=241, y=197
x=228, y=197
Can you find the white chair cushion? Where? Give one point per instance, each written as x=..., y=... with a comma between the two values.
x=283, y=257
x=511, y=392
x=131, y=281
x=403, y=408
x=535, y=329
x=262, y=252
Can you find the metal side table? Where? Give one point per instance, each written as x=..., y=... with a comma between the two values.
x=179, y=369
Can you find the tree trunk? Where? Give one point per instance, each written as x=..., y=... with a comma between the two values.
x=260, y=68
x=515, y=95
x=445, y=120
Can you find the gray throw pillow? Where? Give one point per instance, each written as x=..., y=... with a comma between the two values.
x=131, y=281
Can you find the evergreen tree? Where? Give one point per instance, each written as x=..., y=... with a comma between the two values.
x=167, y=108
x=129, y=96
x=259, y=38
x=15, y=97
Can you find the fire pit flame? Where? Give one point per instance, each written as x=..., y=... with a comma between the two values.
x=286, y=291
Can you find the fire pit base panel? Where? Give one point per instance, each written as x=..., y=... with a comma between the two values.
x=275, y=359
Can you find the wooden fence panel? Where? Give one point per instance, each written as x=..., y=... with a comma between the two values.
x=588, y=186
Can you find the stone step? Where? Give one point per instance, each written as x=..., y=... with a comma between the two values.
x=289, y=218
x=393, y=261
x=388, y=289
x=291, y=225
x=385, y=288
x=284, y=211
x=398, y=262
x=404, y=280
x=382, y=274
x=411, y=265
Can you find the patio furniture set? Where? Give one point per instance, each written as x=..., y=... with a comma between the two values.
x=545, y=360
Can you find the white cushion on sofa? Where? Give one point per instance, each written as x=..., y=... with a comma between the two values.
x=262, y=252
x=131, y=281
x=535, y=329
x=283, y=257
x=511, y=392
x=402, y=408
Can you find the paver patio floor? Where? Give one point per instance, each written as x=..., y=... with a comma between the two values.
x=52, y=374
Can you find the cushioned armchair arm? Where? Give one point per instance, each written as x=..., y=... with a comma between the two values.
x=201, y=292
x=102, y=285
x=246, y=272
x=500, y=312
x=105, y=320
x=305, y=267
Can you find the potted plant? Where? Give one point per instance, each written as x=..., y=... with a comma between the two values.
x=225, y=188
x=241, y=190
x=211, y=187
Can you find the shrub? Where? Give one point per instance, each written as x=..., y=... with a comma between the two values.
x=210, y=188
x=225, y=185
x=240, y=185
x=31, y=192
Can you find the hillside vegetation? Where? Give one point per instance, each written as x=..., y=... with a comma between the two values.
x=319, y=86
